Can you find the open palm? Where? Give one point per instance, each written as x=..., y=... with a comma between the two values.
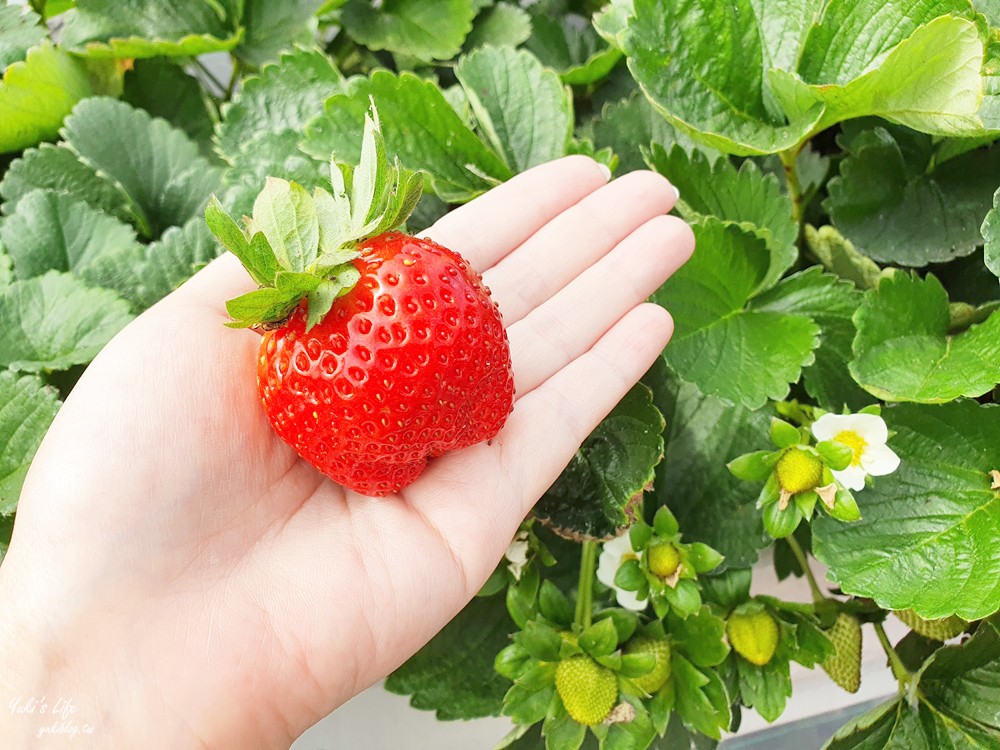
x=182, y=568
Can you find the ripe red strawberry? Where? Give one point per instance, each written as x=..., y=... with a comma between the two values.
x=381, y=350
x=411, y=363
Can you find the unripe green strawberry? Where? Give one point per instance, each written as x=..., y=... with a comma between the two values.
x=587, y=689
x=844, y=666
x=663, y=559
x=799, y=470
x=753, y=636
x=660, y=649
x=937, y=630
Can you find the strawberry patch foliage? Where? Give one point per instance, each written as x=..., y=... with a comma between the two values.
x=830, y=390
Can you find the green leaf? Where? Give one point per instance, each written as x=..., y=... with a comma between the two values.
x=57, y=168
x=53, y=231
x=709, y=299
x=453, y=674
x=631, y=125
x=920, y=361
x=898, y=206
x=286, y=215
x=284, y=96
x=665, y=522
x=704, y=559
x=570, y=45
x=991, y=233
x=925, y=540
x=701, y=64
x=712, y=506
x=747, y=198
x=502, y=24
x=254, y=256
x=613, y=465
x=271, y=27
x=37, y=93
x=600, y=639
x=20, y=30
x=710, y=70
x=701, y=637
x=156, y=167
x=554, y=604
x=148, y=28
x=908, y=63
x=784, y=434
x=766, y=688
x=701, y=699
x=841, y=258
x=752, y=467
x=55, y=321
x=6, y=529
x=956, y=704
x=425, y=29
x=171, y=261
x=562, y=733
x=27, y=408
x=830, y=304
x=539, y=640
x=523, y=111
x=164, y=90
x=420, y=128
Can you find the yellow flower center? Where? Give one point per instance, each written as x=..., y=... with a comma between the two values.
x=799, y=470
x=853, y=441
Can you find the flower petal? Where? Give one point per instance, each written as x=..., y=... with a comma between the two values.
x=871, y=427
x=827, y=426
x=612, y=554
x=879, y=460
x=853, y=477
x=630, y=600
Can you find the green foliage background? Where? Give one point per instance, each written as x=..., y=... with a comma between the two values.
x=838, y=160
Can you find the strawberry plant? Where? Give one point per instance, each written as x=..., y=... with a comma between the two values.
x=830, y=393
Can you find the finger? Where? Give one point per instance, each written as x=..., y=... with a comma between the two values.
x=549, y=424
x=575, y=240
x=489, y=227
x=566, y=326
x=219, y=281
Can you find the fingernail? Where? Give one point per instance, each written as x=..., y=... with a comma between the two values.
x=676, y=193
x=605, y=170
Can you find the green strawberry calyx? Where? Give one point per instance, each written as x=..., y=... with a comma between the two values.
x=300, y=245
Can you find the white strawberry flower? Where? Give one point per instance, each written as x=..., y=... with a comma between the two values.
x=613, y=555
x=866, y=436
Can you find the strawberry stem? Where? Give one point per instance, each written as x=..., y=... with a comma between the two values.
x=899, y=669
x=800, y=555
x=585, y=589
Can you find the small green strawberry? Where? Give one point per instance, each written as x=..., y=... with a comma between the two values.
x=942, y=630
x=660, y=649
x=844, y=665
x=587, y=689
x=664, y=559
x=754, y=636
x=799, y=470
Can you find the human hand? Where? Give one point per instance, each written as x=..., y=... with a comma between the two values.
x=191, y=582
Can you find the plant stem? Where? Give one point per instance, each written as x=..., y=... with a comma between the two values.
x=585, y=590
x=39, y=7
x=800, y=555
x=234, y=78
x=899, y=669
x=788, y=161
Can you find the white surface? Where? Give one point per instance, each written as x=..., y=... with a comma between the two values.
x=377, y=720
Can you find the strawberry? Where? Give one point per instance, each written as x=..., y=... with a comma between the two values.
x=664, y=559
x=660, y=649
x=844, y=665
x=380, y=350
x=942, y=630
x=588, y=690
x=753, y=635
